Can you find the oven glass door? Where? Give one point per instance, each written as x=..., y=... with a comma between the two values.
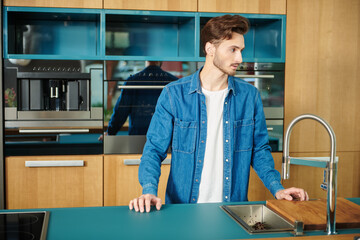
x=131, y=90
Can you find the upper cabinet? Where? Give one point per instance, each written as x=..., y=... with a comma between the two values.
x=111, y=34
x=243, y=6
x=52, y=33
x=56, y=3
x=161, y=5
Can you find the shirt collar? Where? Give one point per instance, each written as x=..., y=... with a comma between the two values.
x=195, y=85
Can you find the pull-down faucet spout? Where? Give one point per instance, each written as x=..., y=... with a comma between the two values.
x=331, y=168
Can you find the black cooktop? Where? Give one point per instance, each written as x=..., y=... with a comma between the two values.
x=23, y=225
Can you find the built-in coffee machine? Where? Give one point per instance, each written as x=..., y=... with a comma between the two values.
x=52, y=101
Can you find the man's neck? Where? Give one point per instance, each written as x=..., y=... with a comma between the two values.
x=212, y=78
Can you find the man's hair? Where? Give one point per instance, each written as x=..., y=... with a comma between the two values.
x=222, y=27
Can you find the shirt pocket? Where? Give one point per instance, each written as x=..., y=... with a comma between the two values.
x=184, y=136
x=244, y=134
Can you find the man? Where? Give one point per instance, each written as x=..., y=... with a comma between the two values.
x=139, y=104
x=217, y=128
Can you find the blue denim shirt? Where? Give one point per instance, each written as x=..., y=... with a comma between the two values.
x=180, y=119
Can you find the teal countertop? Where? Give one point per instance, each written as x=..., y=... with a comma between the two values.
x=173, y=221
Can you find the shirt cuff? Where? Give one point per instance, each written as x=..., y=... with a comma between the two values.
x=275, y=187
x=149, y=189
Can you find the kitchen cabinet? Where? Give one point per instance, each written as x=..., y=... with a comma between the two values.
x=111, y=34
x=121, y=182
x=51, y=187
x=56, y=3
x=52, y=33
x=243, y=6
x=162, y=5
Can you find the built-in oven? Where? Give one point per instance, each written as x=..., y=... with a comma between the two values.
x=268, y=78
x=130, y=98
x=53, y=106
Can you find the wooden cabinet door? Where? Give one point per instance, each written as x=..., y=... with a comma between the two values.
x=52, y=187
x=56, y=3
x=121, y=182
x=243, y=6
x=161, y=5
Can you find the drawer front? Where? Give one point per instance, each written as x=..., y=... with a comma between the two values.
x=54, y=181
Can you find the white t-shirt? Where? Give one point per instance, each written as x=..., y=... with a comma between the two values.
x=211, y=184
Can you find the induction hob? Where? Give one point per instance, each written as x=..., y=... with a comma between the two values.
x=23, y=225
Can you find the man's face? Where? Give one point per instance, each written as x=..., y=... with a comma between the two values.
x=227, y=56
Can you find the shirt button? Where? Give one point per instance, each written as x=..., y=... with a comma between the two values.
x=227, y=160
x=226, y=122
x=227, y=178
x=196, y=180
x=226, y=197
x=193, y=199
x=199, y=161
x=202, y=141
x=226, y=140
x=203, y=121
x=225, y=102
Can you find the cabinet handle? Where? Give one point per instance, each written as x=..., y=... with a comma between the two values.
x=130, y=162
x=60, y=163
x=54, y=130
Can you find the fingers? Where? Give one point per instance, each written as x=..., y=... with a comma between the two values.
x=157, y=203
x=144, y=203
x=292, y=194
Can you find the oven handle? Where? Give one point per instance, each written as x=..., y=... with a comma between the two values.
x=132, y=162
x=270, y=129
x=141, y=87
x=254, y=76
x=60, y=163
x=54, y=130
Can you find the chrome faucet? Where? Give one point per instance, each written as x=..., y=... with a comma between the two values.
x=331, y=168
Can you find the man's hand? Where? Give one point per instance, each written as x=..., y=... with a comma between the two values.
x=292, y=194
x=146, y=200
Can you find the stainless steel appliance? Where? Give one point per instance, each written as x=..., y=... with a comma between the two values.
x=268, y=78
x=24, y=225
x=53, y=102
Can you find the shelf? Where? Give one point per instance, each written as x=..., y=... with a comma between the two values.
x=144, y=34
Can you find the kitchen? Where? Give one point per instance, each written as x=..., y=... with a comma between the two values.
x=320, y=78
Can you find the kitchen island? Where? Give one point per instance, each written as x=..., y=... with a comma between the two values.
x=173, y=221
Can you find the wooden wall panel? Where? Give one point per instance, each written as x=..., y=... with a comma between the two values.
x=322, y=73
x=243, y=6
x=162, y=5
x=55, y=3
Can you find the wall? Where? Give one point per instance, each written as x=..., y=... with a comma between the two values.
x=323, y=78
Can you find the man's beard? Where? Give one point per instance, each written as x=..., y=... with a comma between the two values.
x=217, y=63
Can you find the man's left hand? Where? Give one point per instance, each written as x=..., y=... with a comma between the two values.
x=292, y=194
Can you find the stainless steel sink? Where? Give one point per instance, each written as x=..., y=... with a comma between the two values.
x=248, y=215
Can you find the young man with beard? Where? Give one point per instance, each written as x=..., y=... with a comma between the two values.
x=216, y=127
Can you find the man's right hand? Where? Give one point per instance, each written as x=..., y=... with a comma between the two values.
x=146, y=200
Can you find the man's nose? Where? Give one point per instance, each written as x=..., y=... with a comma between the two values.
x=238, y=57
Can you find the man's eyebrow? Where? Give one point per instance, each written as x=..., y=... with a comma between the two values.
x=235, y=46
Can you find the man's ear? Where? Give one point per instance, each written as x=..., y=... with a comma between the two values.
x=209, y=49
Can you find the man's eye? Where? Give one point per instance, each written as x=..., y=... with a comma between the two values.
x=233, y=50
